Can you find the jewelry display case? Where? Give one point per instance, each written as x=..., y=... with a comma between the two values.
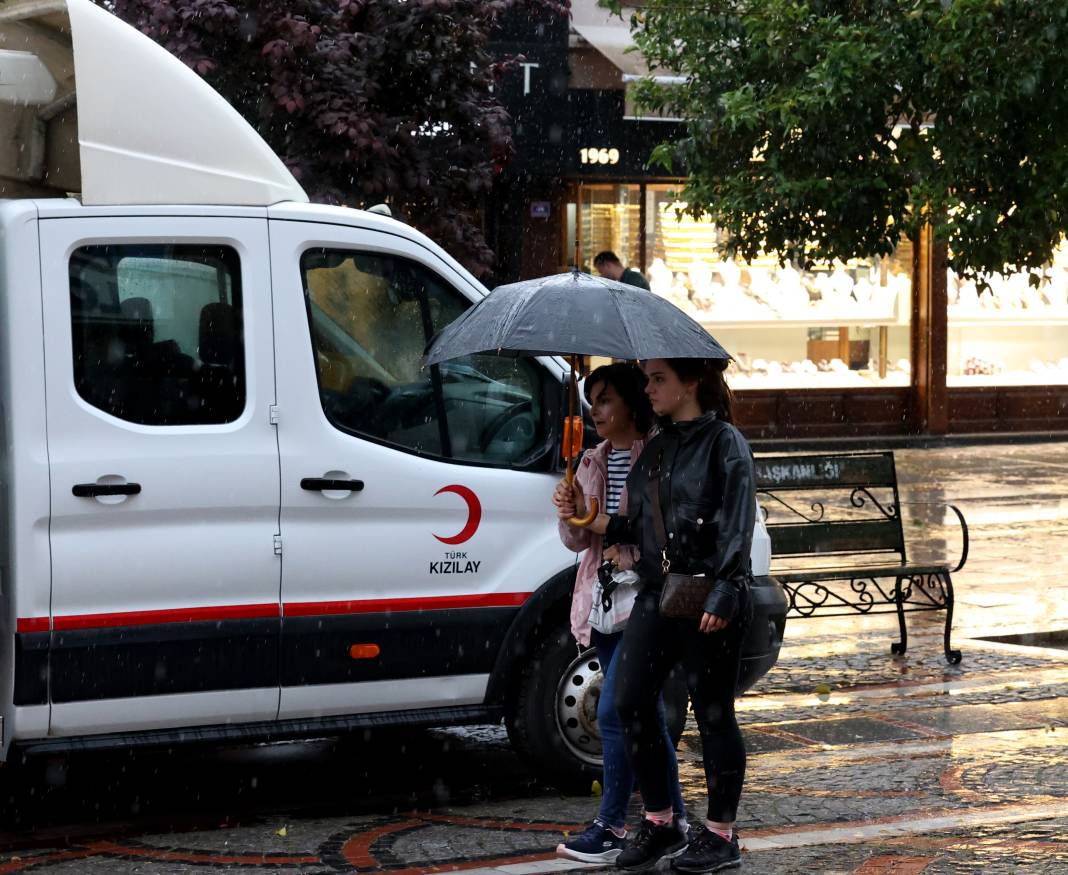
x=1014, y=332
x=841, y=326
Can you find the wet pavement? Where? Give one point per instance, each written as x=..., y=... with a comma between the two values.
x=860, y=762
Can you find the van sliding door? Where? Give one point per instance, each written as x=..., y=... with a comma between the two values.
x=164, y=473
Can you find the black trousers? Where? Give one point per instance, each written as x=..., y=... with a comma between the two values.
x=652, y=645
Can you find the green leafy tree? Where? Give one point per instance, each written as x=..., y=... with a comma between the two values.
x=823, y=129
x=365, y=100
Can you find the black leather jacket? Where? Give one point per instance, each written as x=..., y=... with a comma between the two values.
x=707, y=498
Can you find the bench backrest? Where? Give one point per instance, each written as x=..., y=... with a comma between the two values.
x=835, y=505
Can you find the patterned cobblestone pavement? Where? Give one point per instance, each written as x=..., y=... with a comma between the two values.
x=860, y=762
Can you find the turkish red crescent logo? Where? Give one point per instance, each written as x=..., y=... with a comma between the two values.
x=474, y=514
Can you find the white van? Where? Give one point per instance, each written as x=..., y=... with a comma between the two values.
x=234, y=504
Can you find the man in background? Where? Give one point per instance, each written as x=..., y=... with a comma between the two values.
x=607, y=264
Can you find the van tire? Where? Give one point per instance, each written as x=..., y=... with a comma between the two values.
x=533, y=718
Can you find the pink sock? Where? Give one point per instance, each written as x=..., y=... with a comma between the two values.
x=725, y=834
x=660, y=818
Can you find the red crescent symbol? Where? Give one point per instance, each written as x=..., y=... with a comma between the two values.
x=474, y=514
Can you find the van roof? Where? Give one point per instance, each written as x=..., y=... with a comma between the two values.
x=92, y=107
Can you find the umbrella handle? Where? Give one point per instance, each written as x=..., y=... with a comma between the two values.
x=572, y=430
x=582, y=521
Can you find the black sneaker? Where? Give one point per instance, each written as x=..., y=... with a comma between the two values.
x=596, y=844
x=650, y=844
x=708, y=852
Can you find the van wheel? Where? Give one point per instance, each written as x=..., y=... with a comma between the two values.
x=552, y=722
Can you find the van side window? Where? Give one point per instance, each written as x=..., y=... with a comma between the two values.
x=371, y=316
x=157, y=332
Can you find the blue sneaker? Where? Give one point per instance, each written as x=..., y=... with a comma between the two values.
x=596, y=844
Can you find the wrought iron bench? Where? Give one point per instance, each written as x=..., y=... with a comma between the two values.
x=837, y=542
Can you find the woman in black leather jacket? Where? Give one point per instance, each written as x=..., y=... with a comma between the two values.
x=706, y=490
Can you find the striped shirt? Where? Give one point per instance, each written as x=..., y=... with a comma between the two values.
x=618, y=468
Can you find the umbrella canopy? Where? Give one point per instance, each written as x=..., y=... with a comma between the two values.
x=574, y=314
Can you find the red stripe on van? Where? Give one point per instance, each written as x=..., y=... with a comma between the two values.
x=253, y=612
x=433, y=603
x=172, y=615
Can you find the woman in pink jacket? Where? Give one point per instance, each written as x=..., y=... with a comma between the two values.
x=622, y=415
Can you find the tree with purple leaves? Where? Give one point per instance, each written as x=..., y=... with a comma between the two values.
x=365, y=100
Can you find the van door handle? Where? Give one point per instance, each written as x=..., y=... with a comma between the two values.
x=93, y=490
x=323, y=484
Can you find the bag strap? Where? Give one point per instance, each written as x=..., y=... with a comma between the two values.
x=660, y=530
x=606, y=591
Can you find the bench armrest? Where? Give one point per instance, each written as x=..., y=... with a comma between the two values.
x=963, y=529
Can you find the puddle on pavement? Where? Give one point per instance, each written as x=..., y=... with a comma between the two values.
x=1057, y=640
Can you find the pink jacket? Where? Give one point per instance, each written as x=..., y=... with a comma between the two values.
x=592, y=475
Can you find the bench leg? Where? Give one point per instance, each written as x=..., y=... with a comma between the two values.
x=898, y=648
x=952, y=656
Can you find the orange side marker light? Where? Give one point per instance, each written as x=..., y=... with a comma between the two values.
x=364, y=651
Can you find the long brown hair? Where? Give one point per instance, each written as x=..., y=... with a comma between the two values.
x=713, y=393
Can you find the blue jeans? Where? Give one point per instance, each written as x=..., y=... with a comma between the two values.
x=618, y=773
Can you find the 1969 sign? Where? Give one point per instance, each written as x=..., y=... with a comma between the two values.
x=599, y=156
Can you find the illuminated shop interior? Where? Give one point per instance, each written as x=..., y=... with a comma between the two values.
x=1014, y=333
x=840, y=325
x=844, y=325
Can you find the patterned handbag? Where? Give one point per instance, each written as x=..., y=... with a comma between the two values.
x=683, y=596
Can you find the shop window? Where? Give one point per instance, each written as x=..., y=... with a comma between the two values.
x=371, y=316
x=1014, y=333
x=835, y=326
x=610, y=217
x=157, y=333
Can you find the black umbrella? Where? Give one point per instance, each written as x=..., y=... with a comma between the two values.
x=574, y=314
